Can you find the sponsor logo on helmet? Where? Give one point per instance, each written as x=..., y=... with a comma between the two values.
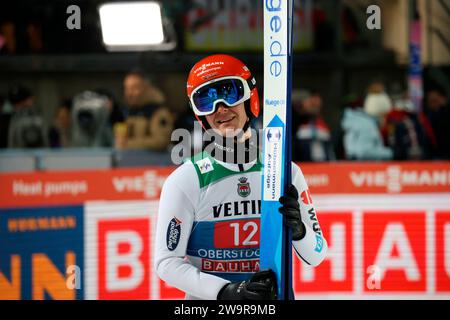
x=209, y=76
x=205, y=165
x=243, y=187
x=206, y=67
x=173, y=233
x=203, y=75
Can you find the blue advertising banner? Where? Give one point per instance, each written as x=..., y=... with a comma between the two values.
x=41, y=253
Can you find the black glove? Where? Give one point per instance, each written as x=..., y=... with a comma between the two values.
x=290, y=209
x=261, y=286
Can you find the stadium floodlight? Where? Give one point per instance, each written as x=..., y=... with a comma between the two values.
x=134, y=26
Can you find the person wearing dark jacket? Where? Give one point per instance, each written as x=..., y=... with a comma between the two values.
x=149, y=123
x=27, y=127
x=408, y=133
x=5, y=118
x=437, y=110
x=60, y=135
x=312, y=137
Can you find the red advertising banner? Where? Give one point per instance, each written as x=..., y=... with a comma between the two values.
x=395, y=243
x=383, y=177
x=442, y=228
x=335, y=273
x=387, y=227
x=123, y=258
x=74, y=187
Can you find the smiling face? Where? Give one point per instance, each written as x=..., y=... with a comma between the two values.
x=226, y=121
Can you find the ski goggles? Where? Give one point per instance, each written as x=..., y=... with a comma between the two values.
x=232, y=91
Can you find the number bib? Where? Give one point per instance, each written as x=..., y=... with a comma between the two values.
x=224, y=239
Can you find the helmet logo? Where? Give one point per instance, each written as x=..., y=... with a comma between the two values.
x=205, y=67
x=243, y=187
x=208, y=76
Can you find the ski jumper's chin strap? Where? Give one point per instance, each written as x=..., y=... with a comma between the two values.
x=232, y=149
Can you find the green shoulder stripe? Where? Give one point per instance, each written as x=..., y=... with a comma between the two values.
x=209, y=170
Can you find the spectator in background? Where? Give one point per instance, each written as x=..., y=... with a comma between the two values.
x=8, y=43
x=350, y=101
x=116, y=112
x=437, y=110
x=407, y=132
x=5, y=118
x=312, y=140
x=149, y=123
x=90, y=120
x=60, y=134
x=116, y=118
x=26, y=129
x=362, y=137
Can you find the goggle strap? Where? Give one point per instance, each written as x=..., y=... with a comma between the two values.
x=251, y=83
x=190, y=104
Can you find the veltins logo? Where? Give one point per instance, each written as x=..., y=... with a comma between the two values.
x=173, y=233
x=243, y=187
x=205, y=165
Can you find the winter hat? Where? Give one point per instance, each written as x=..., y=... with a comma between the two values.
x=18, y=93
x=377, y=104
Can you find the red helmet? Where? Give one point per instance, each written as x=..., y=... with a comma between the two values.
x=222, y=67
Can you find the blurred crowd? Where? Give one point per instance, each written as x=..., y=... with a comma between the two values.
x=376, y=126
x=92, y=118
x=373, y=126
